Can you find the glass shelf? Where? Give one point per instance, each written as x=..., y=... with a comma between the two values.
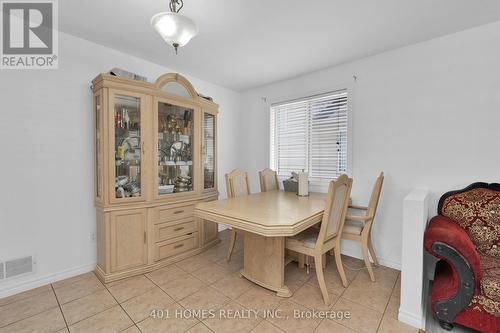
x=127, y=118
x=208, y=151
x=175, y=148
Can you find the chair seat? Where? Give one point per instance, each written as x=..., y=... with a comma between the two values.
x=353, y=227
x=490, y=283
x=306, y=238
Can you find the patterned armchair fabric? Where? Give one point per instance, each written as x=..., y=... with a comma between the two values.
x=478, y=213
x=469, y=223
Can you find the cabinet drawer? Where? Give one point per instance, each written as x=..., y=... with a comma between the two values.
x=172, y=214
x=164, y=231
x=176, y=246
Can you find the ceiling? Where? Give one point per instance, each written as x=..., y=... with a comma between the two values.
x=244, y=44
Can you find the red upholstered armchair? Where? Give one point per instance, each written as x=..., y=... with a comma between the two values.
x=465, y=237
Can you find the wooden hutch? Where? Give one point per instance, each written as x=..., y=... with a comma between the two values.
x=154, y=159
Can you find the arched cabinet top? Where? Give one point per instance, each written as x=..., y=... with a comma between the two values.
x=177, y=83
x=170, y=84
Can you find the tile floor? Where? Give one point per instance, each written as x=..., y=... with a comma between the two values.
x=206, y=281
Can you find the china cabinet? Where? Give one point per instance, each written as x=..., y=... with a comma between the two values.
x=155, y=149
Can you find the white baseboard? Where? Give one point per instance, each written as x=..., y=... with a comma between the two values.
x=384, y=262
x=410, y=319
x=40, y=281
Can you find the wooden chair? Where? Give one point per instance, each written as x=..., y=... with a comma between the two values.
x=359, y=227
x=316, y=242
x=236, y=185
x=268, y=180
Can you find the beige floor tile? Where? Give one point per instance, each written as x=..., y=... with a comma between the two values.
x=181, y=288
x=353, y=263
x=216, y=253
x=87, y=285
x=140, y=307
x=64, y=330
x=397, y=287
x=266, y=327
x=260, y=299
x=352, y=266
x=199, y=328
x=332, y=279
x=392, y=309
x=131, y=287
x=384, y=278
x=171, y=322
x=291, y=323
x=166, y=274
x=328, y=326
x=110, y=321
x=233, y=265
x=131, y=329
x=295, y=277
x=390, y=325
x=369, y=295
x=25, y=294
x=362, y=319
x=232, y=317
x=71, y=280
x=233, y=286
x=211, y=273
x=311, y=297
x=87, y=306
x=351, y=274
x=27, y=307
x=204, y=299
x=192, y=264
x=45, y=322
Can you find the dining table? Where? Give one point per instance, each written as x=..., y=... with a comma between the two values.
x=266, y=219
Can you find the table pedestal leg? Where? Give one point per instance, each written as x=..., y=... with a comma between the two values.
x=264, y=262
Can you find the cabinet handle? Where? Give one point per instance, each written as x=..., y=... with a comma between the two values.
x=177, y=229
x=179, y=211
x=142, y=148
x=178, y=246
x=144, y=237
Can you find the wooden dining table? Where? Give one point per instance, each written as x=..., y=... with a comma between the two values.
x=266, y=219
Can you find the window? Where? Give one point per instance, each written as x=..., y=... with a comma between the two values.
x=310, y=134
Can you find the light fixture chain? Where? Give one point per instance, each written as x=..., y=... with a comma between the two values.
x=173, y=5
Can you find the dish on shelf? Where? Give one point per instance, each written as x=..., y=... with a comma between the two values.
x=165, y=189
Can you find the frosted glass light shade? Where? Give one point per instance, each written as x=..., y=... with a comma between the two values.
x=177, y=30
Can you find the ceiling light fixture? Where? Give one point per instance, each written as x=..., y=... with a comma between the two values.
x=176, y=29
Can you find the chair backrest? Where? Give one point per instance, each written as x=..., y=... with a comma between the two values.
x=268, y=180
x=237, y=184
x=476, y=209
x=375, y=197
x=339, y=193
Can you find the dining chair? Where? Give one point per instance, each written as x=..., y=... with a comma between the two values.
x=237, y=185
x=316, y=242
x=359, y=227
x=268, y=180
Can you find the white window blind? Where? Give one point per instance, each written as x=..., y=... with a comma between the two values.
x=310, y=134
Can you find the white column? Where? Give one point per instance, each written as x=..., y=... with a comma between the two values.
x=415, y=217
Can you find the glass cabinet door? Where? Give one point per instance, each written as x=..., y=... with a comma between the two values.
x=128, y=146
x=175, y=148
x=209, y=131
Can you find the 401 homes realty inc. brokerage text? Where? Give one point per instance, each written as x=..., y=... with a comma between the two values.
x=247, y=314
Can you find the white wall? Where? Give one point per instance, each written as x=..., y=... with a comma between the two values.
x=46, y=196
x=428, y=115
